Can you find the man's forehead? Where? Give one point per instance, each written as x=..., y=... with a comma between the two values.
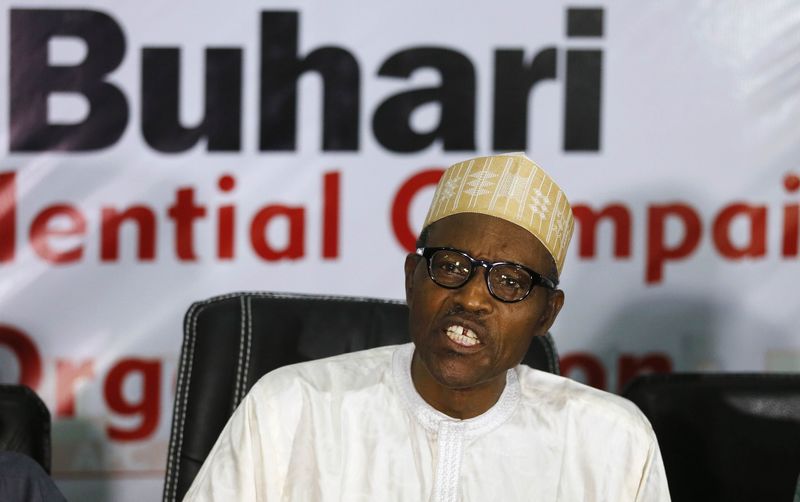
x=484, y=234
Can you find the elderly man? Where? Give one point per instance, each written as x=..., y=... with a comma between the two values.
x=452, y=416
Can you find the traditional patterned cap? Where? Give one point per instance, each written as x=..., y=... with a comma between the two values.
x=512, y=187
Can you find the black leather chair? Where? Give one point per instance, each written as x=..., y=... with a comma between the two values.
x=24, y=424
x=230, y=341
x=725, y=437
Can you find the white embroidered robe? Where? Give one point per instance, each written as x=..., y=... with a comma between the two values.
x=353, y=428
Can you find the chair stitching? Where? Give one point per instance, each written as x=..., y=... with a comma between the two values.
x=190, y=367
x=242, y=320
x=175, y=416
x=168, y=495
x=184, y=380
x=249, y=346
x=176, y=411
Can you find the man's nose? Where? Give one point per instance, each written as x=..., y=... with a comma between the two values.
x=474, y=295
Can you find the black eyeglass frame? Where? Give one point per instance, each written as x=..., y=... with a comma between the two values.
x=537, y=279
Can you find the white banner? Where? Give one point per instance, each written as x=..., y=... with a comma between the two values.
x=157, y=154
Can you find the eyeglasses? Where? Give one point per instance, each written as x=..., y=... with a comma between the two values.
x=506, y=281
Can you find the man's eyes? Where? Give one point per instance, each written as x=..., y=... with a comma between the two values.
x=510, y=282
x=452, y=268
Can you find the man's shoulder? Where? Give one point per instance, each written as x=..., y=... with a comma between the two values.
x=580, y=403
x=341, y=372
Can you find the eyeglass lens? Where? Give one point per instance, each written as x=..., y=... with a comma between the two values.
x=508, y=282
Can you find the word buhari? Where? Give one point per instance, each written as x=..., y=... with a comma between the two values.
x=517, y=72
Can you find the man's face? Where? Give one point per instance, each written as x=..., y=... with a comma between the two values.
x=504, y=330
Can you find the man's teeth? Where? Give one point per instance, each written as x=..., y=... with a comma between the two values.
x=462, y=336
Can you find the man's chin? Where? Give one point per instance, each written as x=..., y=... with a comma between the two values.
x=454, y=372
x=457, y=380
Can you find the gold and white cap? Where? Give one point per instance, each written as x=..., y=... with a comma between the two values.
x=512, y=187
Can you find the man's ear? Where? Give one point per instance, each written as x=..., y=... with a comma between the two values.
x=555, y=300
x=410, y=267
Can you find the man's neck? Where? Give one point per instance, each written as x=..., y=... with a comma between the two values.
x=460, y=403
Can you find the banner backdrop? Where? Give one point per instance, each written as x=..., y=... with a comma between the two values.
x=155, y=154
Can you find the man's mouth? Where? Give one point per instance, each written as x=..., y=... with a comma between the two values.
x=462, y=336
